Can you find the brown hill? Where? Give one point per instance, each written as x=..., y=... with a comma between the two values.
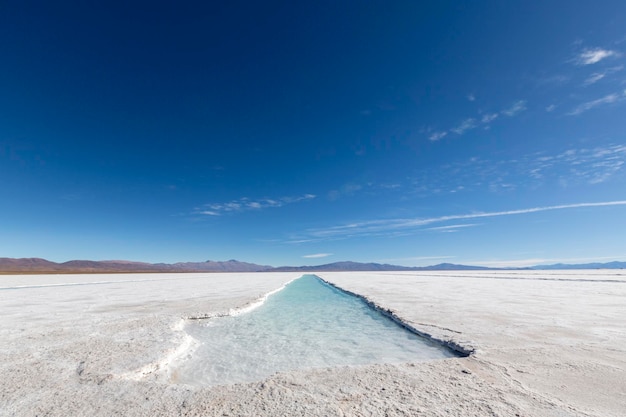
x=43, y=266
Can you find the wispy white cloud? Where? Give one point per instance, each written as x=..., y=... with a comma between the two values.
x=471, y=123
x=594, y=78
x=488, y=118
x=245, y=204
x=452, y=228
x=597, y=76
x=289, y=200
x=608, y=99
x=318, y=255
x=594, y=55
x=208, y=212
x=517, y=107
x=550, y=108
x=471, y=97
x=562, y=168
x=437, y=135
x=390, y=186
x=576, y=166
x=467, y=124
x=393, y=225
x=301, y=241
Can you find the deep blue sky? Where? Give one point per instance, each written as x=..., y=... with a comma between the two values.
x=408, y=132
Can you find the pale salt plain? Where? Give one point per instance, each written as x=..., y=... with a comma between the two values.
x=546, y=343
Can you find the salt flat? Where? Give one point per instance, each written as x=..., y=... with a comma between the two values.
x=546, y=343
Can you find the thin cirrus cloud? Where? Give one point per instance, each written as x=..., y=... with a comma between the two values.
x=393, y=225
x=564, y=168
x=246, y=204
x=467, y=124
x=600, y=75
x=452, y=228
x=594, y=78
x=517, y=107
x=489, y=117
x=592, y=56
x=590, y=166
x=608, y=99
x=437, y=136
x=318, y=255
x=484, y=121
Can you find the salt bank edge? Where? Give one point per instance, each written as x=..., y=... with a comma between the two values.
x=460, y=350
x=161, y=369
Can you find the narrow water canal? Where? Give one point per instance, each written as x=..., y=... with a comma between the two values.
x=309, y=324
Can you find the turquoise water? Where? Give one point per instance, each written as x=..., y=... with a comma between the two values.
x=309, y=324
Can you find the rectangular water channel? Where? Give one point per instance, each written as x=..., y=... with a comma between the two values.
x=308, y=324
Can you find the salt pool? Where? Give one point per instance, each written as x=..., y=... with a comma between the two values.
x=308, y=324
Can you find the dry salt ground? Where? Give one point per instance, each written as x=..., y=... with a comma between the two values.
x=545, y=343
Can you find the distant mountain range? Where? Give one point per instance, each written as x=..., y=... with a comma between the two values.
x=43, y=266
x=357, y=266
x=38, y=265
x=594, y=265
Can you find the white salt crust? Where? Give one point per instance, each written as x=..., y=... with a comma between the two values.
x=544, y=343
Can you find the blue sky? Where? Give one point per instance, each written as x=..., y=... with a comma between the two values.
x=290, y=133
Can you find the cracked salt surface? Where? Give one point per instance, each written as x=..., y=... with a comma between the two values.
x=309, y=324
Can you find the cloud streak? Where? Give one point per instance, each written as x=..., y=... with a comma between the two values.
x=517, y=107
x=318, y=255
x=488, y=118
x=564, y=168
x=608, y=99
x=437, y=136
x=246, y=204
x=594, y=78
x=467, y=124
x=594, y=55
x=597, y=76
x=452, y=228
x=395, y=225
x=484, y=121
